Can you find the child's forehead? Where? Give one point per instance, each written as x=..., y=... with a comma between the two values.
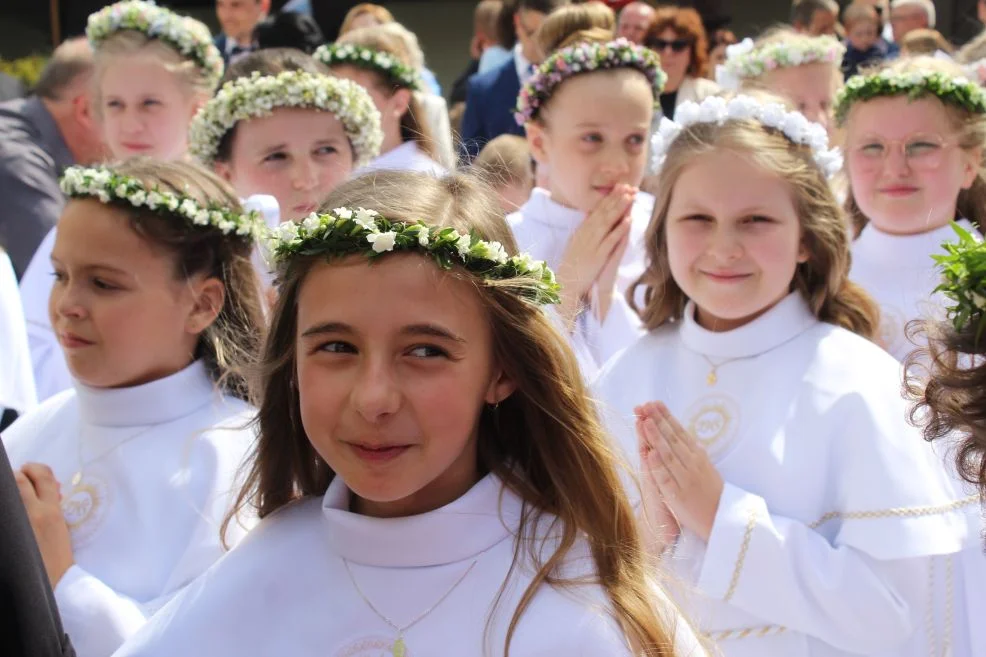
x=909, y=115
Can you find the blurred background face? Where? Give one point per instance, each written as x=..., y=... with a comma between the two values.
x=634, y=20
x=238, y=17
x=527, y=22
x=676, y=56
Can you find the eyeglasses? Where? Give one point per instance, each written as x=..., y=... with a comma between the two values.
x=921, y=152
x=678, y=45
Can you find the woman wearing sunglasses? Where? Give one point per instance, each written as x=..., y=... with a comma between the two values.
x=677, y=35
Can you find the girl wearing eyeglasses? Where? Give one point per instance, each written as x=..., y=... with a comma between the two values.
x=915, y=132
x=677, y=35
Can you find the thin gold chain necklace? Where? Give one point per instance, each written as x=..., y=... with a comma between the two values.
x=398, y=649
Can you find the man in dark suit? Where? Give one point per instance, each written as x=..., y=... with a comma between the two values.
x=492, y=95
x=237, y=18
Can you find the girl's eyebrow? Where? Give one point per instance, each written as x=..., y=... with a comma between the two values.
x=431, y=330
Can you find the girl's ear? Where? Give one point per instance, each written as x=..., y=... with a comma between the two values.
x=400, y=101
x=224, y=171
x=970, y=166
x=209, y=294
x=536, y=137
x=500, y=388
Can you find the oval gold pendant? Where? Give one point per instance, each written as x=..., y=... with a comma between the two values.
x=76, y=478
x=398, y=649
x=711, y=379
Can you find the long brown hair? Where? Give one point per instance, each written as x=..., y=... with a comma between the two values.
x=545, y=441
x=414, y=126
x=230, y=346
x=970, y=128
x=823, y=280
x=947, y=380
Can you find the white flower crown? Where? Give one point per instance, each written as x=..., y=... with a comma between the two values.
x=106, y=185
x=187, y=35
x=715, y=109
x=347, y=231
x=368, y=58
x=259, y=95
x=745, y=60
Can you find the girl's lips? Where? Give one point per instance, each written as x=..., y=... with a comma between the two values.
x=726, y=277
x=139, y=148
x=378, y=455
x=72, y=341
x=898, y=190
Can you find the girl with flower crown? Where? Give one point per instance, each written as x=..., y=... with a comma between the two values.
x=294, y=134
x=129, y=474
x=153, y=70
x=781, y=481
x=589, y=222
x=915, y=133
x=432, y=477
x=806, y=70
x=378, y=61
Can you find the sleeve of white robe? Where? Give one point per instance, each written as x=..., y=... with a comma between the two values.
x=98, y=619
x=786, y=573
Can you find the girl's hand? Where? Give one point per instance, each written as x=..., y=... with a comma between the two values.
x=41, y=495
x=658, y=527
x=606, y=283
x=689, y=483
x=591, y=247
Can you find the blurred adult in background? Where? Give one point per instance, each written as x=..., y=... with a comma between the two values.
x=39, y=137
x=721, y=39
x=634, y=20
x=815, y=17
x=492, y=96
x=287, y=29
x=237, y=20
x=677, y=35
x=909, y=15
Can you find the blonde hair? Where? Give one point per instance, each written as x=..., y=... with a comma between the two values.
x=380, y=14
x=414, y=124
x=859, y=12
x=130, y=43
x=973, y=51
x=545, y=441
x=823, y=280
x=505, y=160
x=592, y=22
x=925, y=41
x=969, y=127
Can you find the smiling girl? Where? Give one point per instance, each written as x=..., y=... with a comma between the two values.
x=432, y=477
x=781, y=479
x=590, y=220
x=294, y=134
x=157, y=308
x=915, y=134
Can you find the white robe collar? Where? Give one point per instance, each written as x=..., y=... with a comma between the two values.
x=904, y=251
x=456, y=532
x=540, y=207
x=156, y=402
x=788, y=319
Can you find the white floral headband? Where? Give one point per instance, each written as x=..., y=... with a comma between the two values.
x=107, y=186
x=715, y=109
x=258, y=95
x=187, y=35
x=744, y=60
x=349, y=231
x=368, y=58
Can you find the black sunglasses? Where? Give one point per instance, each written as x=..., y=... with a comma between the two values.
x=677, y=45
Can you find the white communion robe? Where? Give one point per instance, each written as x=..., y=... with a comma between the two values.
x=159, y=464
x=831, y=498
x=51, y=373
x=406, y=157
x=543, y=228
x=899, y=273
x=17, y=390
x=286, y=591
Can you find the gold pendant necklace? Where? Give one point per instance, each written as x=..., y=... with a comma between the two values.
x=399, y=648
x=712, y=377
